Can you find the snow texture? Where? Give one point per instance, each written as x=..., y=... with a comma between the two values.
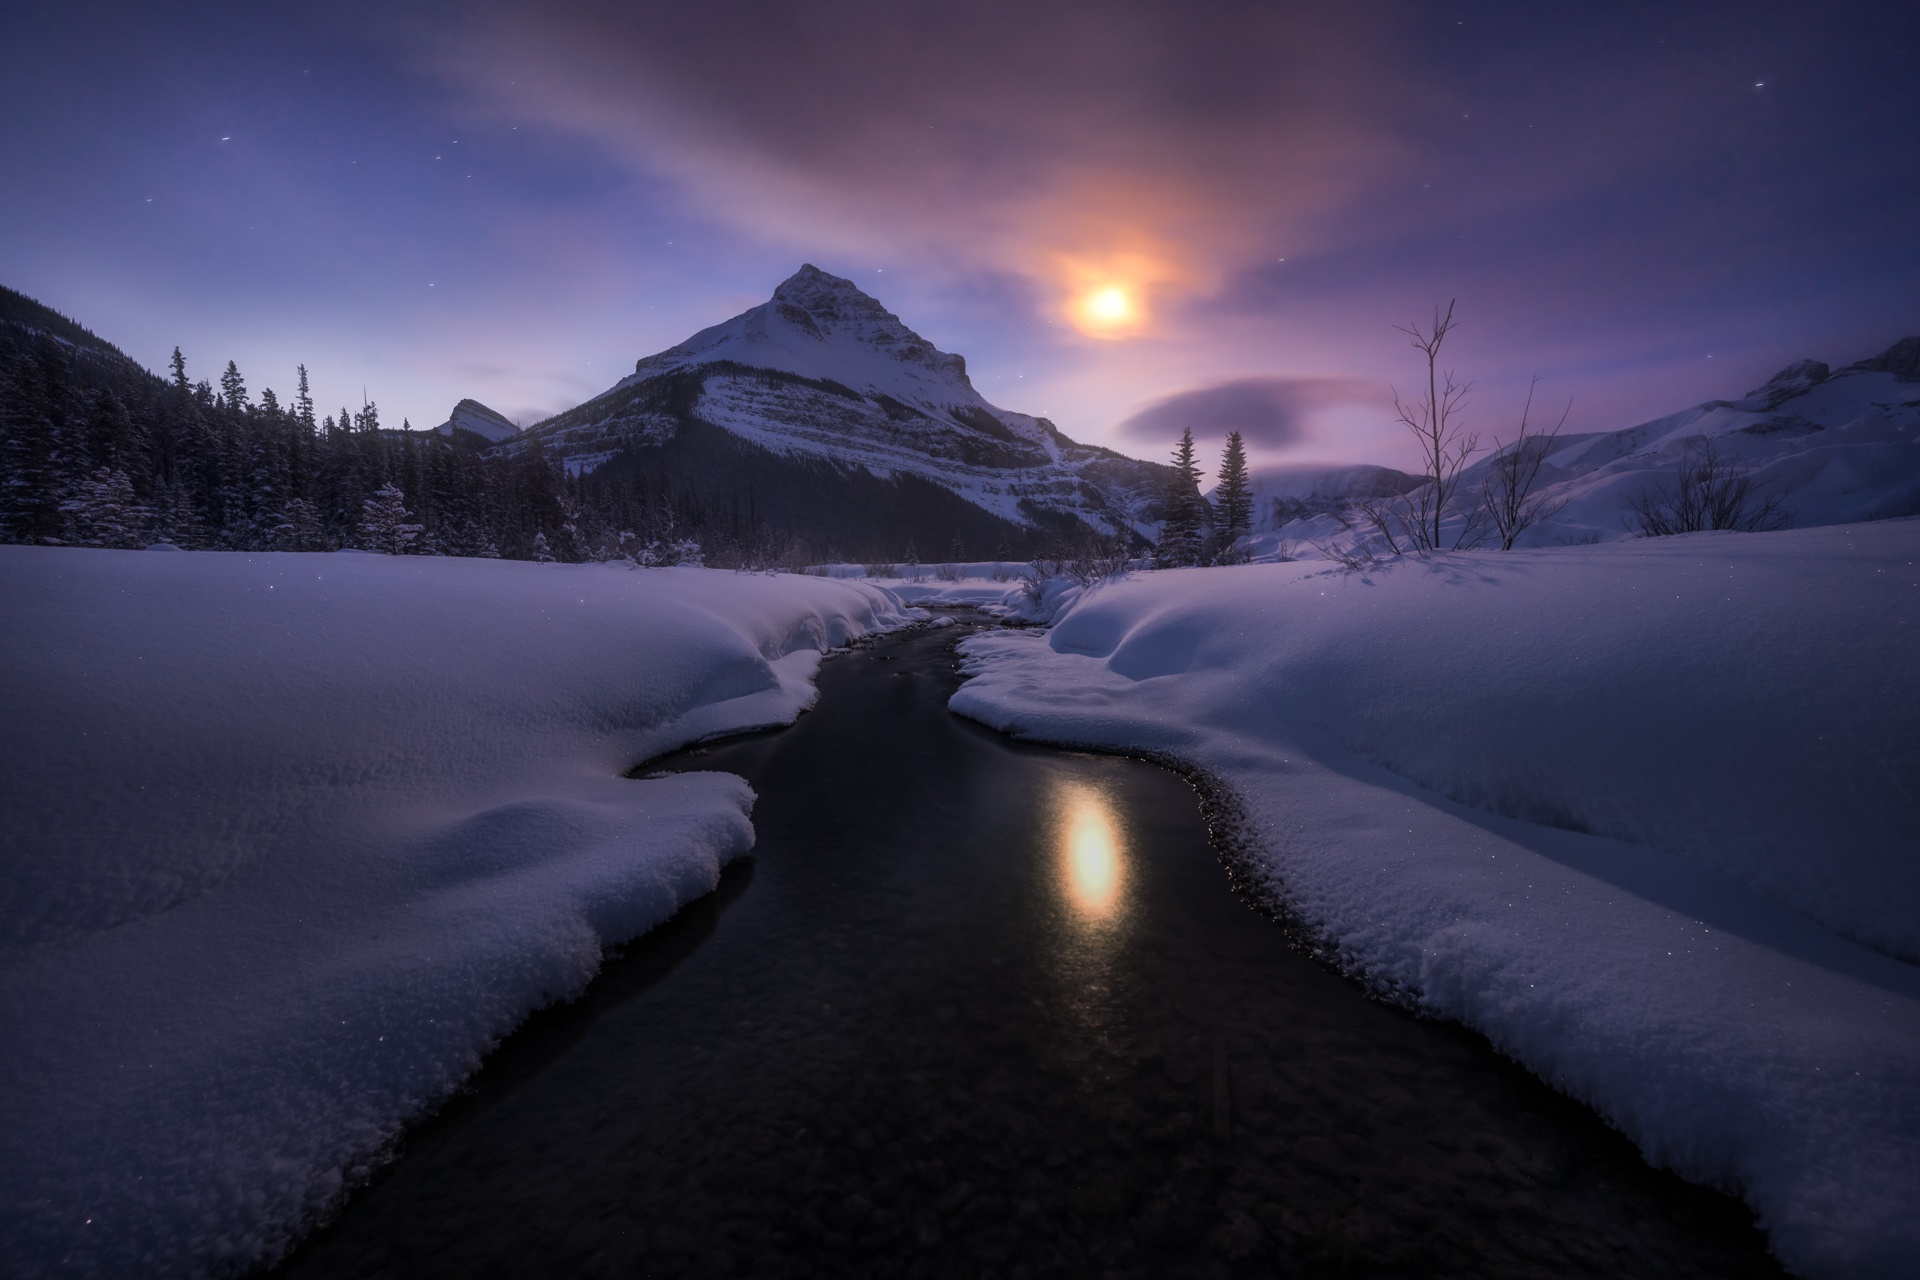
x=1642, y=813
x=289, y=841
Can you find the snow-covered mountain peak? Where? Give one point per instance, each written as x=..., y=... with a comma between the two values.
x=476, y=419
x=1902, y=360
x=822, y=373
x=825, y=327
x=832, y=298
x=1798, y=377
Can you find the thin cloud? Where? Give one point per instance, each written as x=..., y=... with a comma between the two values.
x=1271, y=413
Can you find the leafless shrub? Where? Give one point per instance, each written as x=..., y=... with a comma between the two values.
x=947, y=572
x=1415, y=521
x=1706, y=493
x=1357, y=554
x=881, y=571
x=1507, y=494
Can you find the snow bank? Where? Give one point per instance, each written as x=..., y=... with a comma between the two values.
x=288, y=841
x=1591, y=801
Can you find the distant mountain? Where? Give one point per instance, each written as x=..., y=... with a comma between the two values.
x=818, y=411
x=474, y=418
x=1301, y=490
x=1832, y=447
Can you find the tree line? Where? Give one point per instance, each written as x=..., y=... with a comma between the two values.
x=97, y=452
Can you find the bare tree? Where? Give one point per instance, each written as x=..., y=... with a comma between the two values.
x=1706, y=493
x=1416, y=520
x=1508, y=492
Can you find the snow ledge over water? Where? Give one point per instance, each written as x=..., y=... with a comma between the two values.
x=288, y=842
x=1641, y=813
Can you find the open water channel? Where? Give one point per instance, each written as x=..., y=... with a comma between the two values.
x=976, y=1008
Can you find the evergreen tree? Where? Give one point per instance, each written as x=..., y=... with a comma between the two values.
x=233, y=389
x=1182, y=524
x=117, y=440
x=542, y=553
x=298, y=528
x=180, y=382
x=1235, y=496
x=303, y=403
x=105, y=513
x=32, y=483
x=386, y=525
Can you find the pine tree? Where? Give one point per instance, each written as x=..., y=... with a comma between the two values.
x=119, y=441
x=542, y=553
x=303, y=403
x=1235, y=496
x=233, y=389
x=956, y=553
x=298, y=528
x=386, y=526
x=1181, y=526
x=105, y=513
x=32, y=483
x=180, y=382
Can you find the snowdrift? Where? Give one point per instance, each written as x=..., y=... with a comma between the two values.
x=1642, y=813
x=287, y=842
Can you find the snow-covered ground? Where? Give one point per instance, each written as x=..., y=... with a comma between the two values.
x=1643, y=813
x=288, y=841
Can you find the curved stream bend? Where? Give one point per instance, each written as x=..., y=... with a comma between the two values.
x=979, y=1008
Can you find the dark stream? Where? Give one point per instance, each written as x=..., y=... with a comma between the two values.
x=975, y=1008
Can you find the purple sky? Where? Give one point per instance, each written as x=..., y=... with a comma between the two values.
x=1121, y=213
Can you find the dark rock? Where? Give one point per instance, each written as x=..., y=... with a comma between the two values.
x=1796, y=379
x=1901, y=359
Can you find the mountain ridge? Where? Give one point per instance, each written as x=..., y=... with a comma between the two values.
x=823, y=371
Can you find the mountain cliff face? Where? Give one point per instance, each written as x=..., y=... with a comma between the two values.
x=823, y=390
x=476, y=419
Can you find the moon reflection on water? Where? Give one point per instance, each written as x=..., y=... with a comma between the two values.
x=1092, y=857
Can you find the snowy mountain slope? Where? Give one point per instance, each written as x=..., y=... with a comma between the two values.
x=1831, y=447
x=1834, y=447
x=476, y=419
x=823, y=371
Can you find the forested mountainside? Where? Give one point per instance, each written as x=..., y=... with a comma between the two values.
x=97, y=451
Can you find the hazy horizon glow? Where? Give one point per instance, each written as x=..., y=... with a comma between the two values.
x=1114, y=211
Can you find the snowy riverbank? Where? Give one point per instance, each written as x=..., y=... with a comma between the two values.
x=288, y=841
x=1641, y=813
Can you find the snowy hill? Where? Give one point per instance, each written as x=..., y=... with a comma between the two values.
x=476, y=419
x=1831, y=447
x=824, y=374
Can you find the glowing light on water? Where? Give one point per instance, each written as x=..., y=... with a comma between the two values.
x=1092, y=857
